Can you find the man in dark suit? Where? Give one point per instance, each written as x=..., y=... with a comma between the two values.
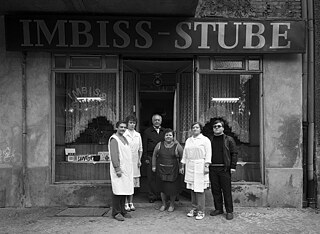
x=151, y=137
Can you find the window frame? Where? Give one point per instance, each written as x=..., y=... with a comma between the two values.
x=244, y=71
x=68, y=69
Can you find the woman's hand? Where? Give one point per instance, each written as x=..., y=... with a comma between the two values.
x=119, y=173
x=181, y=170
x=206, y=169
x=154, y=169
x=139, y=163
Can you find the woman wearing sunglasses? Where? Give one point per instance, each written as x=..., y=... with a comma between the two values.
x=196, y=158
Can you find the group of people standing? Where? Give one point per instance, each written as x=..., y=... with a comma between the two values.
x=203, y=161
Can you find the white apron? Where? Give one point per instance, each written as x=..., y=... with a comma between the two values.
x=135, y=143
x=194, y=175
x=122, y=185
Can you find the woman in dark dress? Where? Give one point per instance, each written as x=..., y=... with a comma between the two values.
x=166, y=163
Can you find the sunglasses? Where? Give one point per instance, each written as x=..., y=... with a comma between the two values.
x=217, y=126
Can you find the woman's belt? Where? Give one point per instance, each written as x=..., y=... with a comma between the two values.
x=216, y=165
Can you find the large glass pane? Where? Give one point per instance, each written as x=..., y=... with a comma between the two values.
x=235, y=99
x=85, y=113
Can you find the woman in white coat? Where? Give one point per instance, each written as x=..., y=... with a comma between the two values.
x=197, y=158
x=135, y=143
x=121, y=171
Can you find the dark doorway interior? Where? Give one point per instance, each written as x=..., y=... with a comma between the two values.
x=156, y=97
x=156, y=103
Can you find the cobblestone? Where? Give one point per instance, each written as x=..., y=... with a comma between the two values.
x=147, y=219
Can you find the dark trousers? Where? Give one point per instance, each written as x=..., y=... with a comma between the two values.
x=151, y=177
x=220, y=180
x=118, y=204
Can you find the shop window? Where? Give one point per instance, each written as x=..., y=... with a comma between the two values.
x=85, y=115
x=235, y=99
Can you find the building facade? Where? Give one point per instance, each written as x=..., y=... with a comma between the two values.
x=67, y=79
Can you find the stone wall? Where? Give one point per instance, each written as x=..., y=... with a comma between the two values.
x=249, y=8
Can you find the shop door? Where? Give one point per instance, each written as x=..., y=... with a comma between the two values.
x=157, y=85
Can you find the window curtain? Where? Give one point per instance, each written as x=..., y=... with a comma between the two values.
x=185, y=108
x=235, y=112
x=99, y=89
x=129, y=93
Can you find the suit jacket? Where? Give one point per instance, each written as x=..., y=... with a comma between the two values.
x=150, y=140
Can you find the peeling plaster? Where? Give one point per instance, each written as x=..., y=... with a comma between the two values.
x=237, y=189
x=289, y=141
x=252, y=197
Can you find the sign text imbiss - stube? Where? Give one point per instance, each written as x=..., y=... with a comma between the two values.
x=153, y=35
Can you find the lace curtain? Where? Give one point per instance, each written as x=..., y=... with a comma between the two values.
x=129, y=93
x=235, y=111
x=185, y=108
x=98, y=93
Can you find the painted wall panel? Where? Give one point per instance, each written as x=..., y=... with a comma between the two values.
x=38, y=69
x=10, y=124
x=282, y=81
x=285, y=187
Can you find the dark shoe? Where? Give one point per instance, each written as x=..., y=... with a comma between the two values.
x=127, y=216
x=216, y=212
x=119, y=217
x=151, y=200
x=229, y=216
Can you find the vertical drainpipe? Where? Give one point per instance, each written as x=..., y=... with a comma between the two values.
x=24, y=129
x=308, y=72
x=304, y=109
x=311, y=126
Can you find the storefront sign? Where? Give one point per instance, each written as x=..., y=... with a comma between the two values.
x=153, y=35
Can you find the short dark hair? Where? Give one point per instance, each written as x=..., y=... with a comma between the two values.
x=218, y=121
x=167, y=130
x=120, y=122
x=200, y=125
x=131, y=118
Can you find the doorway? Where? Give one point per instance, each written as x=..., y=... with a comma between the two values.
x=156, y=93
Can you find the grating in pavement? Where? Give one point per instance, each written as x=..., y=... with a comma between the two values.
x=83, y=212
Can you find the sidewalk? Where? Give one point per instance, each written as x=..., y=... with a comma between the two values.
x=147, y=219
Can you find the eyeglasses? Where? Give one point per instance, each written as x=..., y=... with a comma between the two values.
x=217, y=126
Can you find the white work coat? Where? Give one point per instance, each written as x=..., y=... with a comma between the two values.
x=122, y=185
x=196, y=153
